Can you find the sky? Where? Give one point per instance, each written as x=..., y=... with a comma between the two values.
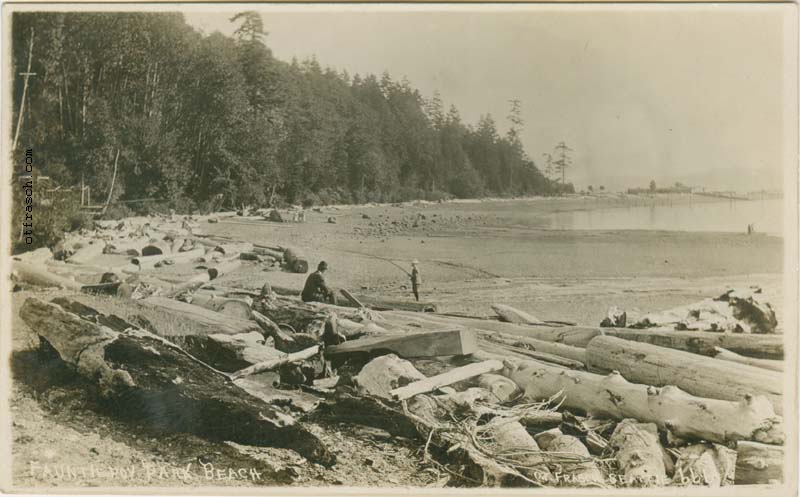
x=693, y=94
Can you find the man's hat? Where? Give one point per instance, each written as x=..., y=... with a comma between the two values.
x=322, y=265
x=415, y=262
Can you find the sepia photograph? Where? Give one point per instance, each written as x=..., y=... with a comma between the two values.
x=389, y=248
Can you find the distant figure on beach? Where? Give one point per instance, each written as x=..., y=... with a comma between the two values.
x=416, y=279
x=751, y=229
x=315, y=289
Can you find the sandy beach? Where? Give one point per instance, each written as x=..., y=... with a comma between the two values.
x=473, y=254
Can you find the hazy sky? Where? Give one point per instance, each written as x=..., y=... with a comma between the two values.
x=672, y=94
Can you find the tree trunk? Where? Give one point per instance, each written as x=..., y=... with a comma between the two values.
x=88, y=253
x=148, y=262
x=295, y=262
x=758, y=463
x=38, y=275
x=228, y=353
x=697, y=375
x=147, y=380
x=573, y=474
x=704, y=342
x=639, y=454
x=670, y=408
x=727, y=355
x=559, y=349
x=385, y=373
x=201, y=321
x=705, y=464
x=508, y=314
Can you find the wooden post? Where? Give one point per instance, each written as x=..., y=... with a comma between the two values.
x=27, y=74
x=113, y=178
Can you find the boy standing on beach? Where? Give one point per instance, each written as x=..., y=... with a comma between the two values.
x=416, y=279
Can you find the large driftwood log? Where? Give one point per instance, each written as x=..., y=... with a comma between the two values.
x=229, y=353
x=426, y=344
x=508, y=314
x=705, y=464
x=572, y=474
x=758, y=463
x=39, y=276
x=559, y=349
x=385, y=373
x=274, y=363
x=203, y=321
x=510, y=442
x=639, y=454
x=704, y=342
x=498, y=385
x=87, y=253
x=751, y=418
x=153, y=382
x=576, y=336
x=148, y=262
x=295, y=262
x=727, y=355
x=239, y=308
x=697, y=375
x=386, y=304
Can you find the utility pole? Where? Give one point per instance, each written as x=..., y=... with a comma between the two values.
x=27, y=74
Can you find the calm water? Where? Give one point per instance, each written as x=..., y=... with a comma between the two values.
x=725, y=216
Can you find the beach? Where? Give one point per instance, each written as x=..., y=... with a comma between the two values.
x=473, y=254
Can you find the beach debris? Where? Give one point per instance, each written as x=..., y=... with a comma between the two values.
x=659, y=366
x=758, y=463
x=616, y=318
x=385, y=373
x=612, y=396
x=508, y=314
x=135, y=364
x=639, y=454
x=736, y=311
x=442, y=380
x=425, y=344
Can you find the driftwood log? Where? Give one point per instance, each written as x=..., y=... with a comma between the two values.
x=582, y=473
x=722, y=421
x=727, y=355
x=710, y=465
x=704, y=342
x=150, y=381
x=38, y=275
x=558, y=349
x=295, y=262
x=204, y=321
x=639, y=454
x=426, y=344
x=150, y=261
x=697, y=375
x=758, y=463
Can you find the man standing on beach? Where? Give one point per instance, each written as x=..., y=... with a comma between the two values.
x=416, y=279
x=315, y=289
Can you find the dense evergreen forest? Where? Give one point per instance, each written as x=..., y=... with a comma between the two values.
x=215, y=121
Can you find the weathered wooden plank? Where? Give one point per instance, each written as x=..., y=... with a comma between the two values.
x=442, y=380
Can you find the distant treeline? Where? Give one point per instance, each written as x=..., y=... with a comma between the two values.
x=216, y=120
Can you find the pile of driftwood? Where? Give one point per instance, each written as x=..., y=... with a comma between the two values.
x=514, y=403
x=736, y=311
